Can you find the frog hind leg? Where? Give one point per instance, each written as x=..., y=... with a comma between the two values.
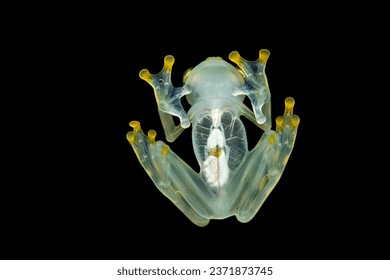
x=171, y=175
x=263, y=166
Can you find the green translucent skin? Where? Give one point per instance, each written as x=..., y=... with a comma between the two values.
x=232, y=180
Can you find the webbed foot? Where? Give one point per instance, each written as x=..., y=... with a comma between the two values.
x=172, y=176
x=168, y=98
x=265, y=164
x=256, y=86
x=286, y=128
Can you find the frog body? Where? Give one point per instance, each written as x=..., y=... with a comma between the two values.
x=232, y=180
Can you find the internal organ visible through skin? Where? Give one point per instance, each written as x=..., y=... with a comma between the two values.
x=233, y=180
x=215, y=167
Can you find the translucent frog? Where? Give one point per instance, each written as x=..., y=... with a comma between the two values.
x=233, y=181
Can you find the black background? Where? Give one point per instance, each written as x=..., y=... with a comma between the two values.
x=78, y=191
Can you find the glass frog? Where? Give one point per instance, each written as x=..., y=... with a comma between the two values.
x=233, y=180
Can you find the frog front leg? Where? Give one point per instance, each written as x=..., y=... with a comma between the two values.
x=264, y=165
x=168, y=99
x=172, y=176
x=255, y=87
